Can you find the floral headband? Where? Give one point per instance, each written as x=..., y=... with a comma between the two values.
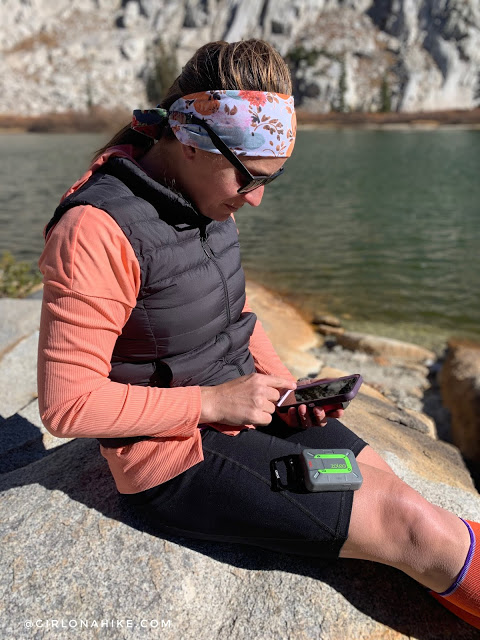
x=251, y=123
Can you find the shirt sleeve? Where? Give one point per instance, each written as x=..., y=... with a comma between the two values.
x=264, y=355
x=91, y=283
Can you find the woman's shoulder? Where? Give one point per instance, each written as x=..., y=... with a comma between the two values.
x=87, y=252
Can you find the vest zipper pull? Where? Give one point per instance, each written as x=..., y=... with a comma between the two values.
x=209, y=252
x=206, y=249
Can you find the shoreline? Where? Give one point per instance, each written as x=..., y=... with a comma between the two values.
x=100, y=120
x=400, y=126
x=393, y=119
x=429, y=337
x=426, y=336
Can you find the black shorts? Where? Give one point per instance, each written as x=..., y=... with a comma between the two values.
x=231, y=496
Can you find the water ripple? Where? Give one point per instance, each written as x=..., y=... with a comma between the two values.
x=378, y=226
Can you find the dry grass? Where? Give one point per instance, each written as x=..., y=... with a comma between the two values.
x=451, y=117
x=17, y=279
x=96, y=120
x=99, y=120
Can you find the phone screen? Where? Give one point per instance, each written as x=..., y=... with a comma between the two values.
x=325, y=390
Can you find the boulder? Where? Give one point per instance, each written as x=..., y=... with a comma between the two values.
x=291, y=335
x=71, y=552
x=326, y=319
x=74, y=556
x=18, y=376
x=19, y=318
x=406, y=417
x=366, y=389
x=329, y=330
x=380, y=346
x=421, y=422
x=460, y=389
x=23, y=438
x=407, y=384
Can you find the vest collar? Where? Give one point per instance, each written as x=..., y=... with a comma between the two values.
x=180, y=212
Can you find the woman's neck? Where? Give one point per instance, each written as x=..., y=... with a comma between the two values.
x=159, y=162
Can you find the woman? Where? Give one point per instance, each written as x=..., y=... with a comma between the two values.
x=147, y=342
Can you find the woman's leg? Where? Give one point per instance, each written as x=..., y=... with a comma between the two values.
x=229, y=497
x=392, y=524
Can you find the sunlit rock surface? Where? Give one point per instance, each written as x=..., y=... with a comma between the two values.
x=72, y=554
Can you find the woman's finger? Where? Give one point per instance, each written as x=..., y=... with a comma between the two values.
x=304, y=416
x=320, y=417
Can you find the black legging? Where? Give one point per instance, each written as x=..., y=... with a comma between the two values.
x=230, y=496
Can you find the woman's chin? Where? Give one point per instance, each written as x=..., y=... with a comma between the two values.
x=221, y=215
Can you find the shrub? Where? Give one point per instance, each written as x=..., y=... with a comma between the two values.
x=385, y=96
x=163, y=72
x=17, y=279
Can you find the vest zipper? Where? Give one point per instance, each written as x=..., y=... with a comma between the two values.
x=211, y=256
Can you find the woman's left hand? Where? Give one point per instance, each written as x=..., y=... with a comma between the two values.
x=303, y=417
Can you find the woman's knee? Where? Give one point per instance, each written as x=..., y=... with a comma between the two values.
x=389, y=521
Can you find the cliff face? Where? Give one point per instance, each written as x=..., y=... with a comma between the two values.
x=346, y=54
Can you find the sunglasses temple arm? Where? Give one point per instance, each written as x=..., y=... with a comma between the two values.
x=221, y=146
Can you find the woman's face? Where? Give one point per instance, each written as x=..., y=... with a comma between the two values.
x=211, y=182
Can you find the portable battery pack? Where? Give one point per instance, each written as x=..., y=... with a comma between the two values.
x=330, y=470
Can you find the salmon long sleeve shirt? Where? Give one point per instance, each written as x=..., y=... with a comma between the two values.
x=91, y=283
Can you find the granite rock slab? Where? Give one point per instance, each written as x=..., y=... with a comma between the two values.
x=74, y=555
x=18, y=376
x=72, y=551
x=19, y=318
x=291, y=335
x=387, y=347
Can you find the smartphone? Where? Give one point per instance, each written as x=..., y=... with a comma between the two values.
x=330, y=394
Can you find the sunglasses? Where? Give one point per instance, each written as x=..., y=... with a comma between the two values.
x=253, y=182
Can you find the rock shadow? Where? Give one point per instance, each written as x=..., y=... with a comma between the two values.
x=433, y=407
x=20, y=443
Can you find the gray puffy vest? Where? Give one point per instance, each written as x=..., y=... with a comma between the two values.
x=187, y=327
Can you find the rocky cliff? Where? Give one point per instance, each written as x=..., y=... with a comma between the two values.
x=345, y=54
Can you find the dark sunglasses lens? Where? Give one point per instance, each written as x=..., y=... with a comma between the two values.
x=254, y=184
x=259, y=181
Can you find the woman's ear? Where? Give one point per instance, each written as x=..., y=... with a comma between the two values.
x=188, y=151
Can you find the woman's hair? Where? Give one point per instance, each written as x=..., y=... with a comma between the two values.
x=249, y=65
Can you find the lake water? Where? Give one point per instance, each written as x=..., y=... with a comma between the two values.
x=379, y=227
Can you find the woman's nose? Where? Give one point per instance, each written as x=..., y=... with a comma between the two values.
x=254, y=198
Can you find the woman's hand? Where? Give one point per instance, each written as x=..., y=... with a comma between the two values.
x=303, y=417
x=247, y=400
